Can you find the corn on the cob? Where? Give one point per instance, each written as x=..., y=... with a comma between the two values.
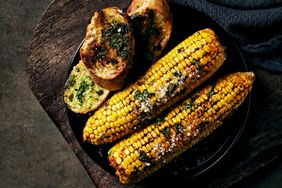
x=186, y=124
x=170, y=79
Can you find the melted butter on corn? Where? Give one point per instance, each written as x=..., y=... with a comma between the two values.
x=185, y=125
x=169, y=80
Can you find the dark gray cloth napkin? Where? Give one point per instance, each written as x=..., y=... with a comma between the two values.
x=256, y=26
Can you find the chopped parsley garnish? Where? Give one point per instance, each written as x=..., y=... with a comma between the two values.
x=170, y=89
x=82, y=88
x=195, y=62
x=200, y=69
x=187, y=106
x=70, y=82
x=144, y=158
x=142, y=115
x=143, y=96
x=116, y=35
x=179, y=128
x=211, y=92
x=177, y=74
x=100, y=92
x=166, y=132
x=199, y=66
x=100, y=53
x=137, y=94
x=203, y=125
x=151, y=29
x=159, y=120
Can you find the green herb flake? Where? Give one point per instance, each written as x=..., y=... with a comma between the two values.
x=82, y=88
x=70, y=82
x=100, y=53
x=137, y=95
x=177, y=74
x=180, y=49
x=142, y=115
x=143, y=96
x=100, y=92
x=200, y=69
x=166, y=132
x=159, y=120
x=144, y=158
x=186, y=106
x=170, y=89
x=179, y=128
x=211, y=92
x=116, y=35
x=203, y=125
x=195, y=62
x=151, y=29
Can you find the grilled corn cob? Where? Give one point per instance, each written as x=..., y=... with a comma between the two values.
x=186, y=124
x=170, y=79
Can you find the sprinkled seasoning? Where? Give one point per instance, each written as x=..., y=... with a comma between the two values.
x=211, y=92
x=117, y=38
x=82, y=88
x=142, y=96
x=177, y=74
x=144, y=158
x=180, y=130
x=170, y=89
x=166, y=132
x=186, y=106
x=70, y=82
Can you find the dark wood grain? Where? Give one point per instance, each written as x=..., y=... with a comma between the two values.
x=57, y=36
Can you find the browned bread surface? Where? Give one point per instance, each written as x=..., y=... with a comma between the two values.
x=152, y=25
x=108, y=47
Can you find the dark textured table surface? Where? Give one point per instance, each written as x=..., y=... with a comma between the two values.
x=32, y=151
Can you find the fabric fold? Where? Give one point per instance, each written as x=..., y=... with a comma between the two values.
x=254, y=26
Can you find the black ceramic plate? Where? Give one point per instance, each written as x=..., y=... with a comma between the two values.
x=210, y=150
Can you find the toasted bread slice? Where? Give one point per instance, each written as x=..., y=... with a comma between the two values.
x=81, y=94
x=108, y=47
x=152, y=26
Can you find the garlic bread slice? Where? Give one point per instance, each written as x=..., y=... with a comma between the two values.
x=152, y=25
x=108, y=47
x=82, y=94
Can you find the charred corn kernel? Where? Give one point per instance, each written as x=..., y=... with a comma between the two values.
x=166, y=82
x=170, y=138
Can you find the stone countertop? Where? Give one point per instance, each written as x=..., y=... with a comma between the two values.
x=32, y=151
